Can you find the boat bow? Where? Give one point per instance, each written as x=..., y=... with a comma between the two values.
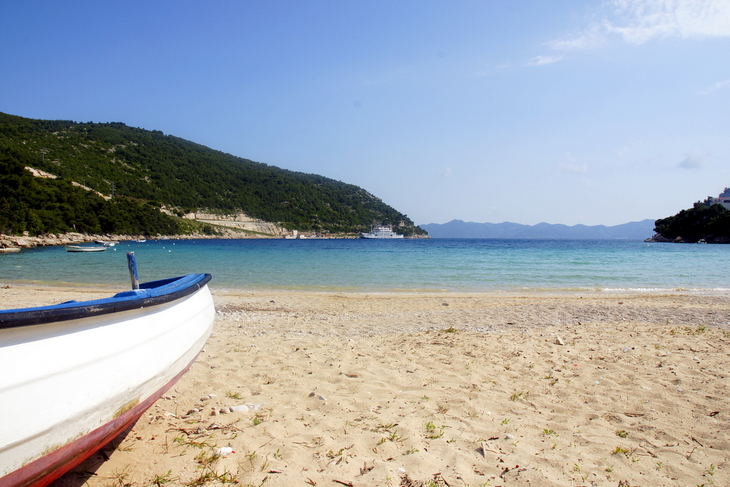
x=84, y=371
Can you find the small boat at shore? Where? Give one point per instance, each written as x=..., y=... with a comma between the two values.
x=76, y=374
x=85, y=248
x=9, y=250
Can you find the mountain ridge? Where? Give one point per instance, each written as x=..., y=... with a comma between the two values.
x=637, y=230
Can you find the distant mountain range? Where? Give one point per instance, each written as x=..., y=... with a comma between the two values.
x=461, y=229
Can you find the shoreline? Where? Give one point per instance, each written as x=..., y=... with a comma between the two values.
x=50, y=289
x=52, y=239
x=226, y=233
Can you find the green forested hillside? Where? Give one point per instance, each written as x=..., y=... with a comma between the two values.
x=705, y=220
x=145, y=169
x=38, y=206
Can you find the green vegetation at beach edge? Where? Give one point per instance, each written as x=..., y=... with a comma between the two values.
x=111, y=178
x=706, y=221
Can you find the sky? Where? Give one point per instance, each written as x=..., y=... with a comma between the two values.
x=568, y=111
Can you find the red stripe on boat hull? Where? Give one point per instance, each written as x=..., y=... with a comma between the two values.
x=45, y=470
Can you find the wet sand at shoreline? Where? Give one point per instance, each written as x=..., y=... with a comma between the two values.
x=453, y=389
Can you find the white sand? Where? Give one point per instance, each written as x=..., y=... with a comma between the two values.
x=451, y=389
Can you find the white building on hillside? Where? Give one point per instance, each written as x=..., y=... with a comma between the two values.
x=723, y=199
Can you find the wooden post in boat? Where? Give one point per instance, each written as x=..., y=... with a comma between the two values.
x=132, y=264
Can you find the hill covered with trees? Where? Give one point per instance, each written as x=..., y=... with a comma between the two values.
x=141, y=171
x=706, y=221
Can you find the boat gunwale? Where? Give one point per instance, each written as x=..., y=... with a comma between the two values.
x=152, y=293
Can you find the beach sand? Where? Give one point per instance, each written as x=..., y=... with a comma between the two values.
x=400, y=389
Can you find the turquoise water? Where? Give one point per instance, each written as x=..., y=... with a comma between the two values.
x=391, y=265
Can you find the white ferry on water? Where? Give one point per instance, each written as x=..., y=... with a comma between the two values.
x=381, y=232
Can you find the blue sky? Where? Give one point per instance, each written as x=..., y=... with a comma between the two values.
x=592, y=112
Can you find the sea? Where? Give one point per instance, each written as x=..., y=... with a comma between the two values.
x=403, y=265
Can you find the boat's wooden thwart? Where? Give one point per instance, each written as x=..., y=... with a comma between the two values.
x=75, y=375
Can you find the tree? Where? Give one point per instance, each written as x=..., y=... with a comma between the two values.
x=699, y=222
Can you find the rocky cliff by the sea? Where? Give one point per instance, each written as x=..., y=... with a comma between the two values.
x=26, y=241
x=658, y=237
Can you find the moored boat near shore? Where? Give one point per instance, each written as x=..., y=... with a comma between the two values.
x=381, y=232
x=76, y=374
x=85, y=248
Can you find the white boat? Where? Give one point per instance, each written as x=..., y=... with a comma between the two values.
x=9, y=250
x=85, y=248
x=381, y=232
x=76, y=374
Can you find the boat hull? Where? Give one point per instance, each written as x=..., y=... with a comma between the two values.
x=81, y=248
x=79, y=381
x=371, y=236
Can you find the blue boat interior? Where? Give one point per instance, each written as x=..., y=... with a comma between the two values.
x=149, y=294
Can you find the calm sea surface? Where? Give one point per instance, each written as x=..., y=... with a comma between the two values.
x=391, y=265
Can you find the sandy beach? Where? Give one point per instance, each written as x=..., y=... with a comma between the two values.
x=400, y=389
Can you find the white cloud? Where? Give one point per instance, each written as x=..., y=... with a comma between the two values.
x=591, y=38
x=542, y=60
x=716, y=86
x=573, y=165
x=641, y=20
x=638, y=21
x=574, y=168
x=446, y=172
